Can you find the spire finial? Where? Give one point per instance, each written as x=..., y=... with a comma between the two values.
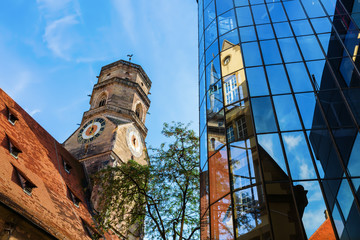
x=130, y=56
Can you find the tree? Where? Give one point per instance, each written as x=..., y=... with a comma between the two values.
x=165, y=193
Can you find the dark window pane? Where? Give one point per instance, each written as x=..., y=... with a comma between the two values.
x=353, y=98
x=282, y=30
x=294, y=10
x=244, y=16
x=338, y=220
x=286, y=113
x=310, y=48
x=247, y=34
x=276, y=11
x=301, y=27
x=263, y=115
x=298, y=156
x=309, y=110
x=277, y=79
x=321, y=75
x=289, y=50
x=345, y=198
x=270, y=52
x=257, y=81
x=272, y=158
x=298, y=77
x=251, y=54
x=265, y=32
x=203, y=149
x=260, y=14
x=226, y=22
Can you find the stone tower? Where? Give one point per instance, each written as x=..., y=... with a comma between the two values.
x=112, y=131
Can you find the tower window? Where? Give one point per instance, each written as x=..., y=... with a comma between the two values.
x=138, y=111
x=12, y=117
x=67, y=166
x=25, y=183
x=73, y=198
x=13, y=149
x=102, y=102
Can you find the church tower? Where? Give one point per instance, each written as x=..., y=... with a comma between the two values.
x=112, y=131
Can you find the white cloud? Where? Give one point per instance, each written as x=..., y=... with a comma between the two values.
x=33, y=112
x=305, y=172
x=292, y=141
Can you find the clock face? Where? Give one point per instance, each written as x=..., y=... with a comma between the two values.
x=91, y=130
x=134, y=141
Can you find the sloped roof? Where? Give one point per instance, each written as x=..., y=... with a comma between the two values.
x=325, y=231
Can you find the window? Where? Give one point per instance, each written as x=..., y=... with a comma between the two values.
x=25, y=183
x=12, y=117
x=226, y=60
x=230, y=134
x=73, y=198
x=13, y=150
x=138, y=111
x=88, y=230
x=67, y=166
x=241, y=127
x=102, y=102
x=231, y=90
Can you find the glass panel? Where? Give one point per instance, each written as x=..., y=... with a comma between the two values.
x=334, y=109
x=286, y=113
x=239, y=3
x=298, y=155
x=272, y=158
x=321, y=75
x=231, y=37
x=260, y=14
x=345, y=198
x=298, y=77
x=204, y=192
x=216, y=131
x=310, y=48
x=321, y=25
x=247, y=34
x=282, y=209
x=238, y=117
x=312, y=209
x=332, y=7
x=210, y=34
x=325, y=153
x=214, y=98
x=276, y=11
x=263, y=115
x=294, y=10
x=257, y=81
x=301, y=27
x=223, y=5
x=270, y=52
x=251, y=54
x=244, y=16
x=277, y=79
x=221, y=220
x=250, y=214
x=309, y=111
x=212, y=73
x=313, y=8
x=353, y=98
x=202, y=88
x=338, y=220
x=331, y=45
x=242, y=165
x=265, y=32
x=209, y=14
x=226, y=22
x=282, y=30
x=203, y=149
x=211, y=52
x=204, y=227
x=344, y=139
x=289, y=50
x=219, y=175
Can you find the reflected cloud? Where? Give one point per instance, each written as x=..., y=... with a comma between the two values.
x=292, y=141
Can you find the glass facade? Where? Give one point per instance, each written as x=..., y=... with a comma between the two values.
x=279, y=86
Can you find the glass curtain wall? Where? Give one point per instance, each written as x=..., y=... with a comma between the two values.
x=279, y=86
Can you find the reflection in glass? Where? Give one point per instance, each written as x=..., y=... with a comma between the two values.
x=354, y=163
x=263, y=115
x=203, y=149
x=250, y=214
x=244, y=16
x=286, y=113
x=260, y=14
x=282, y=210
x=226, y=22
x=209, y=14
x=223, y=5
x=204, y=192
x=204, y=227
x=298, y=77
x=257, y=81
x=216, y=131
x=345, y=198
x=221, y=219
x=294, y=10
x=272, y=158
x=353, y=98
x=265, y=32
x=313, y=8
x=298, y=156
x=211, y=52
x=301, y=27
x=277, y=79
x=310, y=48
x=210, y=34
x=270, y=52
x=251, y=54
x=276, y=11
x=289, y=50
x=282, y=29
x=321, y=25
x=307, y=105
x=218, y=175
x=230, y=37
x=247, y=34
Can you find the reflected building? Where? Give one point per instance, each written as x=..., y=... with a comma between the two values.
x=279, y=119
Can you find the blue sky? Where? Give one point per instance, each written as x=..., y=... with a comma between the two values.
x=51, y=52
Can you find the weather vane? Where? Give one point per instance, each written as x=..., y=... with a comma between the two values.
x=130, y=56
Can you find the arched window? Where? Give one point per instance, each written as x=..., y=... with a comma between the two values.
x=138, y=111
x=102, y=102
